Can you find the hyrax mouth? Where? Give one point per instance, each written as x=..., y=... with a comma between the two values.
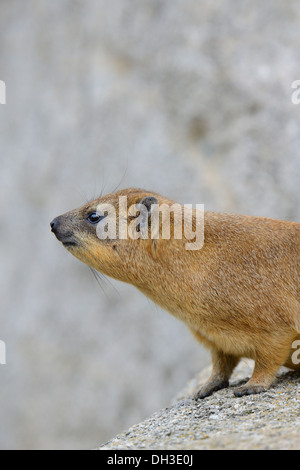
x=69, y=244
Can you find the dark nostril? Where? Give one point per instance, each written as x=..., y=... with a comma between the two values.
x=53, y=225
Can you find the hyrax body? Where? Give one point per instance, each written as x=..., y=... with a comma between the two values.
x=239, y=294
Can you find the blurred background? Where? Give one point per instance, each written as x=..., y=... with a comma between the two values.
x=187, y=98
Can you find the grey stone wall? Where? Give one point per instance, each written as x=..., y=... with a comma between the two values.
x=191, y=99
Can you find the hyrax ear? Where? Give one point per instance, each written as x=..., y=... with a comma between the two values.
x=146, y=207
x=148, y=202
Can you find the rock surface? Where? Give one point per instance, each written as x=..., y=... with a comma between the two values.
x=270, y=420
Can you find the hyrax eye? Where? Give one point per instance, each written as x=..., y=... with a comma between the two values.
x=94, y=218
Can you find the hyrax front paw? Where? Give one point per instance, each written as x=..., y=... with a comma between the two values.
x=209, y=388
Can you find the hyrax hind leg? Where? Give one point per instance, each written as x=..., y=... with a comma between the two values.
x=223, y=365
x=272, y=355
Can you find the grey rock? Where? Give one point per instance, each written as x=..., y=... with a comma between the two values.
x=270, y=420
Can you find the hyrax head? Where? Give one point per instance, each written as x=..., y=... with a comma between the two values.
x=107, y=233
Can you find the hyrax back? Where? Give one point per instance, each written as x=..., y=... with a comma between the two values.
x=239, y=294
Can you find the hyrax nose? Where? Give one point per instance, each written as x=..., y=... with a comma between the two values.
x=54, y=225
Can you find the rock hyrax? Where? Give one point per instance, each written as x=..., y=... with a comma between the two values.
x=239, y=294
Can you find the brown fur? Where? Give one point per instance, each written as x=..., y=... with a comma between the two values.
x=239, y=294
